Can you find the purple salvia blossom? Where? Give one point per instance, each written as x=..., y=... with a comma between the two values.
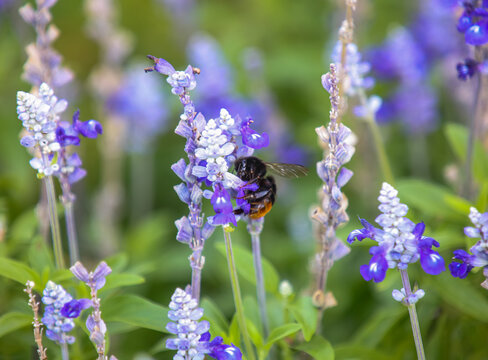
x=331, y=213
x=192, y=229
x=44, y=63
x=140, y=103
x=355, y=69
x=95, y=280
x=212, y=146
x=40, y=117
x=193, y=339
x=479, y=251
x=414, y=102
x=400, y=241
x=59, y=312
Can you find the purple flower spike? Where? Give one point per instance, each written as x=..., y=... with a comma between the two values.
x=376, y=269
x=461, y=269
x=432, y=263
x=226, y=352
x=74, y=308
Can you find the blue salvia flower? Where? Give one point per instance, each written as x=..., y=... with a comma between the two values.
x=95, y=280
x=356, y=69
x=479, y=251
x=40, y=117
x=335, y=139
x=49, y=136
x=139, y=102
x=193, y=339
x=59, y=312
x=43, y=63
x=474, y=22
x=400, y=241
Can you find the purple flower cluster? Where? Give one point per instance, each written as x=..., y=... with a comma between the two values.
x=95, y=280
x=355, y=70
x=474, y=22
x=212, y=147
x=139, y=102
x=403, y=59
x=193, y=339
x=40, y=116
x=400, y=242
x=43, y=63
x=59, y=312
x=479, y=251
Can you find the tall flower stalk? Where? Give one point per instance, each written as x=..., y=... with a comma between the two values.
x=332, y=210
x=352, y=82
x=400, y=243
x=254, y=228
x=236, y=291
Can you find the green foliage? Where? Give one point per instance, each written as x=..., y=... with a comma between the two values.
x=306, y=314
x=135, y=310
x=13, y=321
x=245, y=268
x=17, y=271
x=318, y=348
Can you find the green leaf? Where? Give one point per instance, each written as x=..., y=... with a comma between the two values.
x=234, y=336
x=13, y=321
x=457, y=135
x=318, y=348
x=306, y=314
x=40, y=256
x=117, y=262
x=119, y=280
x=17, y=271
x=245, y=267
x=216, y=318
x=379, y=325
x=432, y=199
x=460, y=294
x=281, y=332
x=355, y=351
x=135, y=310
x=254, y=334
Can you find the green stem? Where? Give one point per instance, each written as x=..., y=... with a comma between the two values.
x=378, y=142
x=53, y=218
x=414, y=320
x=236, y=291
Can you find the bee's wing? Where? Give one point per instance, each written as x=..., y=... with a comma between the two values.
x=287, y=170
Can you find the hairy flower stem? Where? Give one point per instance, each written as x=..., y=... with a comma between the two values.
x=71, y=230
x=68, y=200
x=64, y=351
x=41, y=350
x=97, y=316
x=468, y=170
x=236, y=291
x=417, y=336
x=385, y=167
x=254, y=228
x=53, y=218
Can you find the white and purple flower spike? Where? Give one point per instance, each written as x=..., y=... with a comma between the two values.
x=479, y=251
x=400, y=242
x=59, y=312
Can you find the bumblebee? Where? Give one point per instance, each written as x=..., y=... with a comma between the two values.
x=253, y=170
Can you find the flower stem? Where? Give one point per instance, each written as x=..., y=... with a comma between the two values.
x=255, y=227
x=378, y=142
x=53, y=218
x=417, y=336
x=64, y=351
x=237, y=295
x=71, y=230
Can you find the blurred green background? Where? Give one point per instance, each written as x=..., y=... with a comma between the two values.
x=295, y=38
